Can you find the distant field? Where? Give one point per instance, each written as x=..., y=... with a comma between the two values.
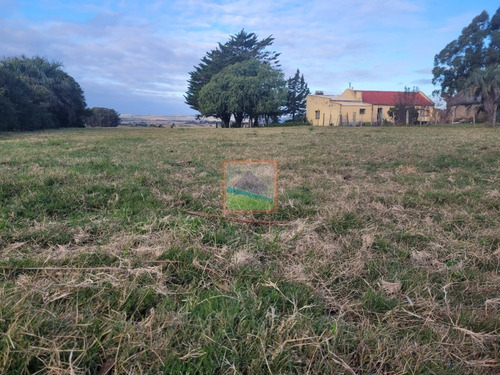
x=166, y=121
x=390, y=263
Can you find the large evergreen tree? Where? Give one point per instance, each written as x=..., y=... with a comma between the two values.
x=477, y=47
x=296, y=97
x=239, y=48
x=493, y=51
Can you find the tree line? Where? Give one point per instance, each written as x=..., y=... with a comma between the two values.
x=37, y=94
x=241, y=79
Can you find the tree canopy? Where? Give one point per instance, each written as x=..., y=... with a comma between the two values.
x=246, y=89
x=477, y=47
x=212, y=76
x=36, y=94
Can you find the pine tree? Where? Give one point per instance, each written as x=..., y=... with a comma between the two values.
x=296, y=97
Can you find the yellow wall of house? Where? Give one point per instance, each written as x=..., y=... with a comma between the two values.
x=426, y=114
x=321, y=110
x=354, y=113
x=384, y=109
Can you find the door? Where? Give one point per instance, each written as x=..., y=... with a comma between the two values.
x=380, y=116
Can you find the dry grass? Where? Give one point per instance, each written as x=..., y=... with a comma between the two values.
x=390, y=264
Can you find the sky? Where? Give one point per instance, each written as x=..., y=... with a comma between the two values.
x=135, y=56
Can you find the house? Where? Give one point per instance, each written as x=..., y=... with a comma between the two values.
x=355, y=107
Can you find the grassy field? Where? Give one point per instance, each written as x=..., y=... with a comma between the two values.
x=390, y=263
x=241, y=202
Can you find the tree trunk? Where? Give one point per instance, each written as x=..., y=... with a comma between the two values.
x=225, y=120
x=238, y=118
x=494, y=119
x=256, y=121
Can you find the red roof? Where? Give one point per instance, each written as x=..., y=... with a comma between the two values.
x=394, y=97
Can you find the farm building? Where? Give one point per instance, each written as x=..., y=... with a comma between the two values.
x=464, y=107
x=354, y=107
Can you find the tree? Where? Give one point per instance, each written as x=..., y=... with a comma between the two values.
x=247, y=89
x=214, y=98
x=240, y=47
x=493, y=51
x=19, y=107
x=477, y=47
x=486, y=83
x=8, y=116
x=103, y=117
x=296, y=96
x=272, y=93
x=42, y=93
x=456, y=62
x=404, y=111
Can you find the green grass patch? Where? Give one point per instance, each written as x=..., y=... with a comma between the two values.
x=241, y=202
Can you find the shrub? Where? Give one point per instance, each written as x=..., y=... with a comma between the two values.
x=38, y=94
x=102, y=117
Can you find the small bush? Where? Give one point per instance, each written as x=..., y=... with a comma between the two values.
x=102, y=117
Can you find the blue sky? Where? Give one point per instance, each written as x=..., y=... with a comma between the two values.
x=136, y=56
